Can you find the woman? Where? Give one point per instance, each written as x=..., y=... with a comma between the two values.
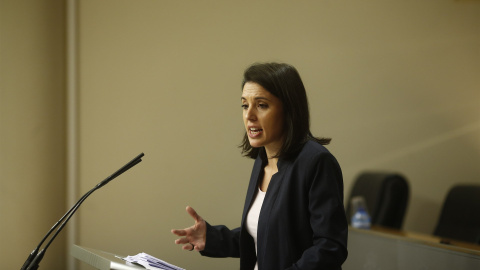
x=293, y=216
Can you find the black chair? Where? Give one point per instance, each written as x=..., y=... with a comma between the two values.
x=460, y=216
x=386, y=196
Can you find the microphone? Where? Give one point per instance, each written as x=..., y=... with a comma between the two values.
x=33, y=260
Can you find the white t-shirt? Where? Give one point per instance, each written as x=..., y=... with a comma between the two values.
x=253, y=216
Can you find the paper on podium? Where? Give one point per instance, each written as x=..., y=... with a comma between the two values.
x=150, y=262
x=107, y=261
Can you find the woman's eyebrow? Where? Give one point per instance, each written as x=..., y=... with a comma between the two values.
x=256, y=98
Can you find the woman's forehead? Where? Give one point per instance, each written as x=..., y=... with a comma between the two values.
x=252, y=89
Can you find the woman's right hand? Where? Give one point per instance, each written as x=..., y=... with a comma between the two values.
x=194, y=237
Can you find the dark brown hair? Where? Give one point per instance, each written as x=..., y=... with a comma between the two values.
x=284, y=82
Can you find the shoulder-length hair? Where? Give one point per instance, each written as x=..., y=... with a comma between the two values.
x=284, y=82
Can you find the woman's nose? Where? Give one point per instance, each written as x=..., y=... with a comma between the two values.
x=250, y=114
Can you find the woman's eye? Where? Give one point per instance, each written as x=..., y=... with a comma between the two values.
x=263, y=106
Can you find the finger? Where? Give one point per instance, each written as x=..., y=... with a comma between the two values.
x=179, y=232
x=187, y=247
x=199, y=247
x=180, y=241
x=193, y=214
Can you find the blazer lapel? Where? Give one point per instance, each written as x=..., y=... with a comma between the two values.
x=268, y=204
x=252, y=187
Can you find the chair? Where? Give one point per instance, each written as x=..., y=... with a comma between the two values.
x=460, y=215
x=386, y=196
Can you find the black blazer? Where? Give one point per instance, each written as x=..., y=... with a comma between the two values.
x=302, y=223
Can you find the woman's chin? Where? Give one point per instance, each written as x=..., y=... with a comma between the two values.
x=255, y=144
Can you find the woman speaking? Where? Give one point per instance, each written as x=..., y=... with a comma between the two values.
x=293, y=216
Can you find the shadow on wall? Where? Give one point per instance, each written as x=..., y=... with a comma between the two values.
x=430, y=216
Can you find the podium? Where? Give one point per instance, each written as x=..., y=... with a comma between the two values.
x=102, y=260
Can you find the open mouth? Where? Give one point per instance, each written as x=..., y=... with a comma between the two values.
x=255, y=131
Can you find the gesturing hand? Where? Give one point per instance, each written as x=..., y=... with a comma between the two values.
x=193, y=237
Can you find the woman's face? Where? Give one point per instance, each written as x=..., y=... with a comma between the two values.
x=263, y=118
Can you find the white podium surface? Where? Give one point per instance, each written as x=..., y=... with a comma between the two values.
x=102, y=260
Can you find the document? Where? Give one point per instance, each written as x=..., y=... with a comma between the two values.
x=150, y=262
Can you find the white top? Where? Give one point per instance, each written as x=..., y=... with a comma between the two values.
x=253, y=216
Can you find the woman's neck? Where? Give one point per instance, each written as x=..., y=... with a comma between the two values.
x=271, y=166
x=268, y=171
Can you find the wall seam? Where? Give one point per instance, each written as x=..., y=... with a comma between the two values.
x=72, y=143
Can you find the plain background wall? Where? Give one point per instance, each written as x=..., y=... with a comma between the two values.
x=395, y=83
x=32, y=129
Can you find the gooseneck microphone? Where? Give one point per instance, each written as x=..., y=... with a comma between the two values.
x=33, y=260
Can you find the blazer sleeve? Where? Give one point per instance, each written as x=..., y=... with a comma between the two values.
x=222, y=242
x=327, y=217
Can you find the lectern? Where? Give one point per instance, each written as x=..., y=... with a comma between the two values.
x=102, y=260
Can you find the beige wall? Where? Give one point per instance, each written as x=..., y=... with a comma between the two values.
x=394, y=83
x=32, y=133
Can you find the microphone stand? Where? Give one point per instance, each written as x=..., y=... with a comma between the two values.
x=33, y=260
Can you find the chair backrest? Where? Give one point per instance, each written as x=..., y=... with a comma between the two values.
x=386, y=195
x=460, y=216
